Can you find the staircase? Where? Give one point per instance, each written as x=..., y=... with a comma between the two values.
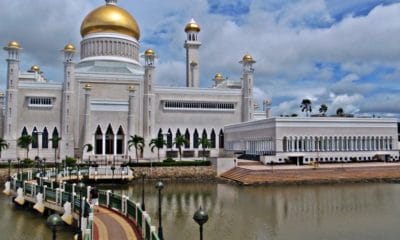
x=237, y=174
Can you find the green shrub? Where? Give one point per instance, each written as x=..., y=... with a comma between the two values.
x=69, y=161
x=27, y=162
x=169, y=160
x=172, y=164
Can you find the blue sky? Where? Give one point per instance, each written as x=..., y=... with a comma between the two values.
x=341, y=53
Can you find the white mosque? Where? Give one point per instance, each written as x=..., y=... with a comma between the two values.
x=109, y=95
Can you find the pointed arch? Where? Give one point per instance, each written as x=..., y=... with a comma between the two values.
x=221, y=138
x=45, y=138
x=24, y=132
x=109, y=140
x=35, y=139
x=54, y=135
x=204, y=134
x=120, y=140
x=178, y=133
x=169, y=139
x=159, y=135
x=195, y=139
x=212, y=138
x=187, y=137
x=98, y=141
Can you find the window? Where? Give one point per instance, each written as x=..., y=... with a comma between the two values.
x=40, y=102
x=212, y=106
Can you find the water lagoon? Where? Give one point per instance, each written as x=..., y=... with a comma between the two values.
x=326, y=212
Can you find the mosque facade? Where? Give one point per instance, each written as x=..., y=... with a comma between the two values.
x=110, y=94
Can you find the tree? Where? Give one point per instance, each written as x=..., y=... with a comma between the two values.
x=205, y=143
x=158, y=143
x=24, y=142
x=179, y=142
x=323, y=109
x=138, y=143
x=340, y=112
x=55, y=142
x=305, y=106
x=3, y=145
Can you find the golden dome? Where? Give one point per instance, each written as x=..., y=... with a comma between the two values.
x=35, y=68
x=218, y=77
x=110, y=18
x=149, y=52
x=247, y=58
x=192, y=26
x=131, y=88
x=14, y=44
x=87, y=86
x=69, y=48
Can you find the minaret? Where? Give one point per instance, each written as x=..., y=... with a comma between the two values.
x=149, y=99
x=10, y=130
x=192, y=46
x=247, y=88
x=68, y=103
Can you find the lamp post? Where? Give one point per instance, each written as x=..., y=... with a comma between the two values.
x=159, y=187
x=53, y=221
x=143, y=206
x=112, y=170
x=81, y=186
x=44, y=166
x=9, y=169
x=201, y=217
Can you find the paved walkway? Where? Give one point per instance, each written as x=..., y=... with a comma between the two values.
x=109, y=225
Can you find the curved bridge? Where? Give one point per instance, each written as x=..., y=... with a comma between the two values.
x=117, y=217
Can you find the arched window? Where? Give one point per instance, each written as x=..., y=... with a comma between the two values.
x=212, y=139
x=204, y=134
x=187, y=137
x=98, y=144
x=178, y=133
x=45, y=138
x=109, y=140
x=221, y=139
x=195, y=139
x=120, y=140
x=24, y=132
x=169, y=139
x=35, y=139
x=159, y=135
x=55, y=136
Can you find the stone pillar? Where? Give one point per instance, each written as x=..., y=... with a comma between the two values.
x=131, y=113
x=86, y=119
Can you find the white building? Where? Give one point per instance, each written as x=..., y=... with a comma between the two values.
x=324, y=139
x=109, y=95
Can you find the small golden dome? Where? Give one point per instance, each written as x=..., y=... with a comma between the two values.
x=87, y=86
x=69, y=48
x=35, y=68
x=149, y=52
x=14, y=44
x=247, y=58
x=131, y=88
x=192, y=26
x=110, y=18
x=1, y=94
x=218, y=77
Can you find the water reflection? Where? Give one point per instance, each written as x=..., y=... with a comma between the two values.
x=291, y=212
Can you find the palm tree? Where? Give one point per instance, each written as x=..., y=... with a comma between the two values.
x=323, y=109
x=55, y=142
x=179, y=142
x=24, y=142
x=138, y=143
x=340, y=112
x=3, y=145
x=205, y=143
x=158, y=143
x=305, y=106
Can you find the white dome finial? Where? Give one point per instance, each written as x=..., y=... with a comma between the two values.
x=113, y=2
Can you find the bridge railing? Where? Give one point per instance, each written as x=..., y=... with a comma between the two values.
x=55, y=195
x=130, y=209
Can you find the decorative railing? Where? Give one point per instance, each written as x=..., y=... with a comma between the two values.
x=130, y=209
x=59, y=193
